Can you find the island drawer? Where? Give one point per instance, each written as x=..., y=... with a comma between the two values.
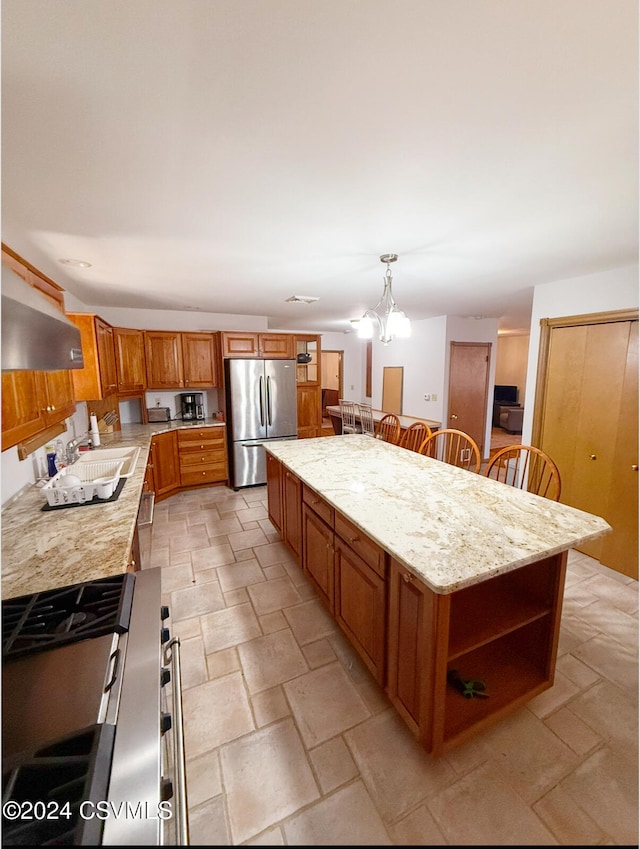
x=318, y=504
x=370, y=552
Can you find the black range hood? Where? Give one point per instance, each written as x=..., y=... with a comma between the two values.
x=35, y=335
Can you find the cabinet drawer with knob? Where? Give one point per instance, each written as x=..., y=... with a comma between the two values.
x=194, y=475
x=361, y=544
x=318, y=504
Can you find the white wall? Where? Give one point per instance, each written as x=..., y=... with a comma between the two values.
x=511, y=362
x=422, y=357
x=616, y=289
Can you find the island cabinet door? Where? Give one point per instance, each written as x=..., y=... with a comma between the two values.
x=274, y=492
x=292, y=512
x=317, y=555
x=360, y=607
x=412, y=650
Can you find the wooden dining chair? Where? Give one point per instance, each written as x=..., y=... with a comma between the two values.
x=348, y=410
x=414, y=436
x=526, y=467
x=388, y=429
x=454, y=447
x=366, y=419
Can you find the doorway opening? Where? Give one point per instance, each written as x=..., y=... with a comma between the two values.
x=332, y=384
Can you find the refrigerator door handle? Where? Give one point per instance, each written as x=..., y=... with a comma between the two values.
x=269, y=417
x=261, y=400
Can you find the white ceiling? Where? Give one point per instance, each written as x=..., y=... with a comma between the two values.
x=223, y=155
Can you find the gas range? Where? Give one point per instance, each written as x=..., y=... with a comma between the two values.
x=84, y=756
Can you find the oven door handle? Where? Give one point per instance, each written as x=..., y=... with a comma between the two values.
x=115, y=659
x=172, y=654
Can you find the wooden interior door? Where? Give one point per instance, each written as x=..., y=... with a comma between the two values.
x=587, y=421
x=468, y=389
x=392, y=380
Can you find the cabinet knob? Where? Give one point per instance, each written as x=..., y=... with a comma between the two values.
x=634, y=468
x=592, y=457
x=453, y=416
x=204, y=473
x=407, y=577
x=354, y=539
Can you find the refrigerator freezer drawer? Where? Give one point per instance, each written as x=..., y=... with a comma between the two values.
x=250, y=462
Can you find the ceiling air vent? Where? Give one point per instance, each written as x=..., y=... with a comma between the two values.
x=301, y=299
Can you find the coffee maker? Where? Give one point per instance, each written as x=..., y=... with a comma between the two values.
x=192, y=406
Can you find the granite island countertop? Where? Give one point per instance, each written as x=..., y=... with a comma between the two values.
x=43, y=550
x=450, y=527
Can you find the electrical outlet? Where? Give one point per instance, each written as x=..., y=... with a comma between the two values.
x=157, y=402
x=434, y=397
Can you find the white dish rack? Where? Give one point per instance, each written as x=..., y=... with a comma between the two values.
x=99, y=478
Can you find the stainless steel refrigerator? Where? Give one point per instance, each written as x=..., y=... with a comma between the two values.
x=261, y=407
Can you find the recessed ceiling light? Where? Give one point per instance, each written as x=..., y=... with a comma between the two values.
x=76, y=263
x=301, y=299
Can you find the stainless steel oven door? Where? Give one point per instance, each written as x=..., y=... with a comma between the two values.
x=54, y=693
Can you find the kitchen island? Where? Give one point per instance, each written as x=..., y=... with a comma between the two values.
x=43, y=550
x=429, y=570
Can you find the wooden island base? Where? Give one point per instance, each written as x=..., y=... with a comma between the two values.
x=502, y=631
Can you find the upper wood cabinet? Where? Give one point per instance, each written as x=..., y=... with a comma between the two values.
x=266, y=345
x=32, y=401
x=51, y=291
x=308, y=348
x=22, y=412
x=180, y=360
x=98, y=378
x=308, y=383
x=130, y=360
x=199, y=358
x=55, y=389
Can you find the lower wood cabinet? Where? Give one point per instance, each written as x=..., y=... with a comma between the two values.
x=203, y=456
x=360, y=606
x=274, y=492
x=348, y=571
x=166, y=472
x=317, y=556
x=503, y=630
x=292, y=512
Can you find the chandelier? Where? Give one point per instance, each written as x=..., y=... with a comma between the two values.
x=386, y=316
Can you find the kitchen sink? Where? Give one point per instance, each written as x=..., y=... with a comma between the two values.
x=128, y=455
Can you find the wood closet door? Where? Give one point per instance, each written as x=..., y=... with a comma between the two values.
x=590, y=428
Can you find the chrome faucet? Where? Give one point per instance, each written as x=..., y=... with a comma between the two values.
x=73, y=449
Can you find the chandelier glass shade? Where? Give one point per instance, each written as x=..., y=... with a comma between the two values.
x=386, y=317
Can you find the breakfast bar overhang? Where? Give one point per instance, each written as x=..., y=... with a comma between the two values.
x=436, y=575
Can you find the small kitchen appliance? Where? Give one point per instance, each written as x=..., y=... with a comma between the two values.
x=192, y=406
x=158, y=414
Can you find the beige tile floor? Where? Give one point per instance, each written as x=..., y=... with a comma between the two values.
x=290, y=742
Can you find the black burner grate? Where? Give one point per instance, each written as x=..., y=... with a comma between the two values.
x=49, y=619
x=62, y=775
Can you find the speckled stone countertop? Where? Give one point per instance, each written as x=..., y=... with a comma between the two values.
x=450, y=527
x=44, y=550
